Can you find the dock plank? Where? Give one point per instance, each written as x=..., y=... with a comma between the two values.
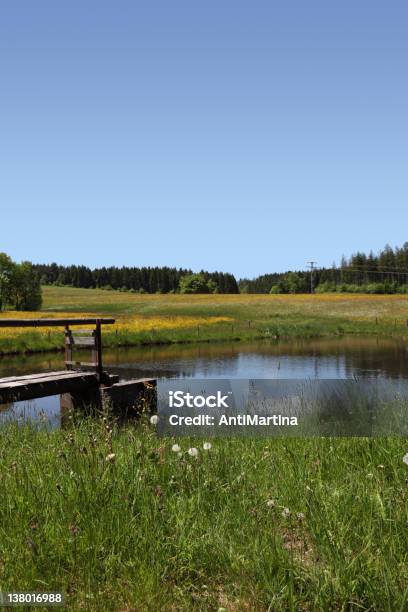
x=55, y=383
x=28, y=377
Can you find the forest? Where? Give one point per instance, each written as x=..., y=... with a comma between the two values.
x=141, y=280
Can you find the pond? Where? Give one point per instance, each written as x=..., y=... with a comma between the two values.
x=323, y=358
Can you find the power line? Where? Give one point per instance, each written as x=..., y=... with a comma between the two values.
x=365, y=266
x=362, y=271
x=382, y=272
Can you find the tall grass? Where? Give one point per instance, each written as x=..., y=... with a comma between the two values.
x=118, y=520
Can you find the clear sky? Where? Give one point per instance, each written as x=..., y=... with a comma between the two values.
x=242, y=136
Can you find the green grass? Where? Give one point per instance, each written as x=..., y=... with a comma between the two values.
x=155, y=319
x=150, y=530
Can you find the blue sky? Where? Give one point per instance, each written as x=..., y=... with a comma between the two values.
x=243, y=136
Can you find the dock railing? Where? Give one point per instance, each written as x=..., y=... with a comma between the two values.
x=91, y=338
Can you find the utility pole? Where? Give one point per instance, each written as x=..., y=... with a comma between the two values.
x=311, y=264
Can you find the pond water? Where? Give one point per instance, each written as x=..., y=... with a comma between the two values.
x=323, y=358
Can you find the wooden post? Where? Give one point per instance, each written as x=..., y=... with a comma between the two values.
x=94, y=349
x=98, y=346
x=68, y=348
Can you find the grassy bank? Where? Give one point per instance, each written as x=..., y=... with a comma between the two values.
x=119, y=521
x=154, y=319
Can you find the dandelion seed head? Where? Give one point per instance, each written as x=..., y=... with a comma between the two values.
x=285, y=512
x=111, y=457
x=207, y=445
x=176, y=448
x=153, y=419
x=193, y=452
x=270, y=503
x=405, y=459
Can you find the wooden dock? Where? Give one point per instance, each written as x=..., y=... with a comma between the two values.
x=70, y=380
x=21, y=388
x=75, y=385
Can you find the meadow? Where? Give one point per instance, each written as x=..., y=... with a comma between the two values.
x=119, y=519
x=153, y=319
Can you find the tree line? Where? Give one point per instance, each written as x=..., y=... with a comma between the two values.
x=385, y=272
x=19, y=285
x=140, y=280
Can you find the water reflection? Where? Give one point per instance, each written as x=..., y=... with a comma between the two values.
x=327, y=358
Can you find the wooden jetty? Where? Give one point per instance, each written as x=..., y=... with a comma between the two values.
x=20, y=388
x=80, y=382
